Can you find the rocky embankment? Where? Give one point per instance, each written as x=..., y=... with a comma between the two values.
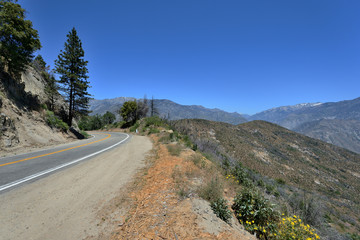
x=23, y=123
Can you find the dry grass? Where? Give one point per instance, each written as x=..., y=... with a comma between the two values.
x=162, y=207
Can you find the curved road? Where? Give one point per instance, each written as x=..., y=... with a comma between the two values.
x=27, y=167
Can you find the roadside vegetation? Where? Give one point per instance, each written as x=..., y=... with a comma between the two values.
x=280, y=197
x=55, y=122
x=266, y=207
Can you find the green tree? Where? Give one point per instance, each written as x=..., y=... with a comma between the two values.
x=18, y=40
x=129, y=111
x=73, y=81
x=96, y=122
x=51, y=89
x=108, y=118
x=39, y=63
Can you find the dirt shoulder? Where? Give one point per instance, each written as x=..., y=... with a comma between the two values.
x=165, y=206
x=72, y=203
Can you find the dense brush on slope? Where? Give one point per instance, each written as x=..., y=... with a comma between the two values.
x=321, y=169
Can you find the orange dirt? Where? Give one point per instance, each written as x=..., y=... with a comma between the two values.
x=159, y=212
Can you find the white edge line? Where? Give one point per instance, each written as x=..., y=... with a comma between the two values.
x=28, y=178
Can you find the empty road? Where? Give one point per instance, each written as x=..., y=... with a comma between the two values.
x=17, y=170
x=80, y=201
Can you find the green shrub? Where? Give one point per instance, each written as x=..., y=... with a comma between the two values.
x=354, y=236
x=119, y=124
x=280, y=181
x=85, y=134
x=154, y=121
x=255, y=213
x=55, y=122
x=221, y=209
x=269, y=188
x=153, y=130
x=44, y=106
x=328, y=219
x=187, y=141
x=261, y=183
x=212, y=190
x=134, y=127
x=174, y=149
x=241, y=176
x=174, y=136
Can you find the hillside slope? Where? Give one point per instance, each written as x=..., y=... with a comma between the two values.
x=22, y=120
x=169, y=109
x=340, y=132
x=320, y=168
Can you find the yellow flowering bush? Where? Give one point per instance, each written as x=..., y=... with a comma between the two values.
x=258, y=216
x=255, y=213
x=292, y=228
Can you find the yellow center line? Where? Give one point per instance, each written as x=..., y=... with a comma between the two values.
x=47, y=154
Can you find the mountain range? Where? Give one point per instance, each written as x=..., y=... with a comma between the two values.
x=337, y=123
x=170, y=110
x=333, y=122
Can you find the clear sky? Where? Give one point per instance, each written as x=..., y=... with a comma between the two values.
x=236, y=55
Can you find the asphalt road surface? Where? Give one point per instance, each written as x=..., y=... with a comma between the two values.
x=25, y=168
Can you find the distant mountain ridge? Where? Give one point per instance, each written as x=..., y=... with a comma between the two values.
x=333, y=122
x=293, y=116
x=279, y=114
x=170, y=109
x=317, y=120
x=341, y=132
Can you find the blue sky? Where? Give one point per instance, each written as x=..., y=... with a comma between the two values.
x=241, y=55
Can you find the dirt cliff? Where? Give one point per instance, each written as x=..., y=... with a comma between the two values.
x=22, y=114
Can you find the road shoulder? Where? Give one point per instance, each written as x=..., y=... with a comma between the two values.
x=66, y=204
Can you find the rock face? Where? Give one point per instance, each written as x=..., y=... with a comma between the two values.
x=9, y=135
x=171, y=110
x=22, y=120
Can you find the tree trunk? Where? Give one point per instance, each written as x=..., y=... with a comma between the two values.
x=71, y=102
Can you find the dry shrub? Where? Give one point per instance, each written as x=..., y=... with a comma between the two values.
x=174, y=149
x=211, y=190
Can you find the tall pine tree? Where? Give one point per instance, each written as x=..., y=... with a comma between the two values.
x=73, y=76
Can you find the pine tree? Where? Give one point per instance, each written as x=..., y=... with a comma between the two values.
x=18, y=40
x=39, y=63
x=73, y=81
x=51, y=89
x=128, y=111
